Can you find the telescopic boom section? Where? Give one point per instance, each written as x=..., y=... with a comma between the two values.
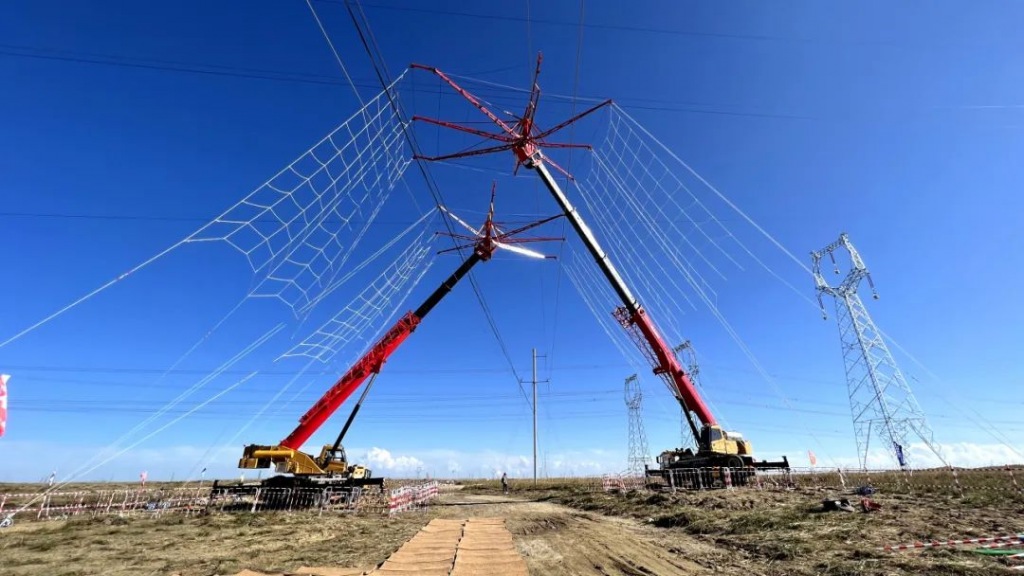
x=370, y=363
x=526, y=142
x=485, y=242
x=663, y=359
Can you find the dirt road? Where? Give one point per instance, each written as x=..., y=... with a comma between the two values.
x=552, y=539
x=558, y=540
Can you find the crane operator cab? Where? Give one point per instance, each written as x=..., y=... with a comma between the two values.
x=333, y=460
x=715, y=440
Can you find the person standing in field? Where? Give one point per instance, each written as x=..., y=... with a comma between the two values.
x=504, y=482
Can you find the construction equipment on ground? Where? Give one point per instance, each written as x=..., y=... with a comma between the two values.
x=715, y=447
x=332, y=469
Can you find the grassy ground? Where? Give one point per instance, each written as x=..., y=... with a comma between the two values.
x=786, y=532
x=216, y=544
x=561, y=527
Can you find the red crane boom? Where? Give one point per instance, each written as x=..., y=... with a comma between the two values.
x=370, y=363
x=526, y=140
x=484, y=242
x=715, y=447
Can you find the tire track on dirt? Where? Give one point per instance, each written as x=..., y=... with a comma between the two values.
x=556, y=540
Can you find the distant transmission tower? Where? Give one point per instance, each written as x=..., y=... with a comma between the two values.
x=638, y=455
x=881, y=401
x=688, y=356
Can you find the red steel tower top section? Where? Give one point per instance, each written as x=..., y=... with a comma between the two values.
x=523, y=137
x=526, y=140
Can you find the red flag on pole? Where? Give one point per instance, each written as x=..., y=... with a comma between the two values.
x=3, y=402
x=812, y=458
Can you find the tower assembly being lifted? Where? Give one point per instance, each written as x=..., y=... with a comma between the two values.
x=331, y=469
x=639, y=457
x=881, y=401
x=526, y=141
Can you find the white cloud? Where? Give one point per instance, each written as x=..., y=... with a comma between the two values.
x=966, y=454
x=443, y=462
x=919, y=455
x=380, y=460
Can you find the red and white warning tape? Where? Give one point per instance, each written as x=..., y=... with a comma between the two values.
x=1009, y=544
x=1006, y=540
x=407, y=497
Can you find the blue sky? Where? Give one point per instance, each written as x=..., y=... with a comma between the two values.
x=897, y=124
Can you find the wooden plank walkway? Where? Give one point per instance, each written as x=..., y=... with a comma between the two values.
x=473, y=547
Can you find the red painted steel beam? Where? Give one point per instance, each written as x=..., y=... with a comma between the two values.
x=371, y=362
x=472, y=99
x=525, y=140
x=668, y=363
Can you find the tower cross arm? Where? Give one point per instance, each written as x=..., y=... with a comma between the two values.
x=478, y=152
x=465, y=94
x=579, y=116
x=460, y=128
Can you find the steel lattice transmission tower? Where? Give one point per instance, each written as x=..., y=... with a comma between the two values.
x=639, y=457
x=881, y=402
x=688, y=356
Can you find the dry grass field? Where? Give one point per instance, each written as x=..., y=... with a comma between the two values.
x=783, y=532
x=215, y=544
x=560, y=527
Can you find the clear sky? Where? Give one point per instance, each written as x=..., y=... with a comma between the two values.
x=128, y=125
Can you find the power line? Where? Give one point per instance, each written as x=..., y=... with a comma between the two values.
x=462, y=402
x=337, y=57
x=616, y=27
x=446, y=371
x=529, y=42
x=329, y=373
x=416, y=400
x=565, y=99
x=528, y=218
x=660, y=31
x=384, y=413
x=380, y=69
x=76, y=56
x=318, y=79
x=572, y=131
